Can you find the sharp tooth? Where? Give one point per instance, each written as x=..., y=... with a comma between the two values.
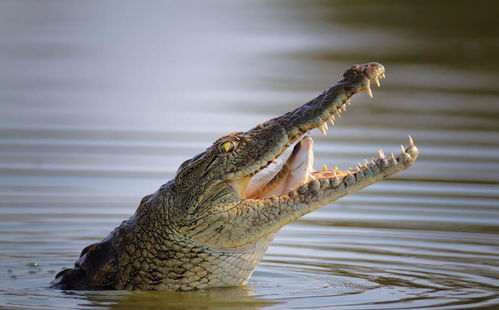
x=347, y=101
x=344, y=107
x=335, y=175
x=369, y=91
x=376, y=81
x=323, y=128
x=332, y=120
x=411, y=143
x=381, y=154
x=332, y=117
x=359, y=165
x=325, y=168
x=367, y=163
x=402, y=147
x=392, y=156
x=382, y=76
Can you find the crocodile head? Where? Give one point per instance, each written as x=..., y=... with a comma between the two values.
x=226, y=202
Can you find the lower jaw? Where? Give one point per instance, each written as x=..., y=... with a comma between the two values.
x=344, y=182
x=367, y=173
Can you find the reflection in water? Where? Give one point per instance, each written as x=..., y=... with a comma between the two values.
x=218, y=298
x=100, y=104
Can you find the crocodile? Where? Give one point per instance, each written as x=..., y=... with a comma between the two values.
x=212, y=223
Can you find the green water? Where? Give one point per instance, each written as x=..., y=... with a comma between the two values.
x=101, y=102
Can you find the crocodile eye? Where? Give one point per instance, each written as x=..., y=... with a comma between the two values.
x=227, y=147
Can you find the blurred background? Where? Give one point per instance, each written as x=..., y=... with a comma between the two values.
x=100, y=101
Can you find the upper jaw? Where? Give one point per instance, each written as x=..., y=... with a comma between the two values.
x=332, y=102
x=270, y=139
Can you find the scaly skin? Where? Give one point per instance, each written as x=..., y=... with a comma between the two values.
x=200, y=230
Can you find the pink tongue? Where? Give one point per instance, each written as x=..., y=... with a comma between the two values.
x=299, y=168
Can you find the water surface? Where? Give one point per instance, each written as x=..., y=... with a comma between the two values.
x=100, y=103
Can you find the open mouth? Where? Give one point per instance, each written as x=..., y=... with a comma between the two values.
x=296, y=172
